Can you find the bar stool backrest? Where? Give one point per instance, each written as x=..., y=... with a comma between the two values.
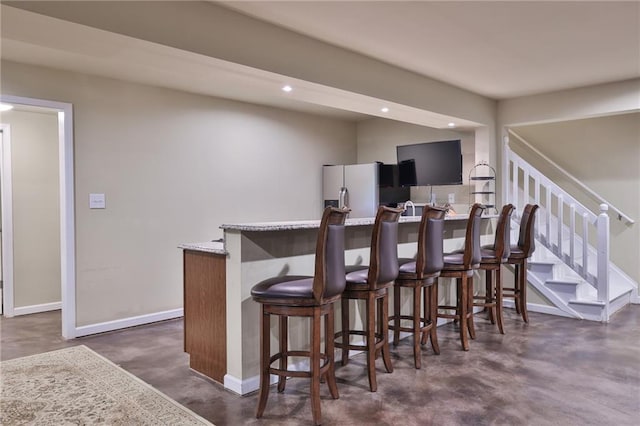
x=329, y=278
x=502, y=243
x=526, y=238
x=472, y=254
x=430, y=261
x=383, y=263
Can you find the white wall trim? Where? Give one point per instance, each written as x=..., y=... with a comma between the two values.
x=543, y=309
x=128, y=322
x=34, y=309
x=6, y=200
x=243, y=387
x=239, y=386
x=67, y=206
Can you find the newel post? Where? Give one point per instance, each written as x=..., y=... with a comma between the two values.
x=602, y=226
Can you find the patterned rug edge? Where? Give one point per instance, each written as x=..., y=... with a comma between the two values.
x=111, y=364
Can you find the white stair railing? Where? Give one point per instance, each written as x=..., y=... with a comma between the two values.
x=564, y=226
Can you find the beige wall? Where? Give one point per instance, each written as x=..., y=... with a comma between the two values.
x=604, y=154
x=377, y=141
x=36, y=211
x=174, y=167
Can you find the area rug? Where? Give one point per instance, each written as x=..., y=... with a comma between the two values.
x=76, y=386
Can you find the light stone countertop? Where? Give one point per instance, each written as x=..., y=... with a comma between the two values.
x=215, y=247
x=312, y=224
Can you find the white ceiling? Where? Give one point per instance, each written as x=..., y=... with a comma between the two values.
x=499, y=49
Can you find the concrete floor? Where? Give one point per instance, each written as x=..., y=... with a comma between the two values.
x=554, y=371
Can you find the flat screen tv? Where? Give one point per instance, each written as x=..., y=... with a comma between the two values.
x=433, y=163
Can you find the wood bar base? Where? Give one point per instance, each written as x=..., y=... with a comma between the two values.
x=205, y=313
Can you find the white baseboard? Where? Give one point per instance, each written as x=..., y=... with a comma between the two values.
x=128, y=322
x=243, y=387
x=543, y=309
x=34, y=309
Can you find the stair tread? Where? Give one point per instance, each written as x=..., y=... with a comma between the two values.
x=565, y=281
x=586, y=302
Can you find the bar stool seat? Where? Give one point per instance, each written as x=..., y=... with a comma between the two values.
x=310, y=297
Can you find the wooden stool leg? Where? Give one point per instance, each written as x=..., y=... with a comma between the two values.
x=416, y=327
x=433, y=316
x=425, y=304
x=345, y=331
x=383, y=324
x=284, y=347
x=498, y=299
x=396, y=315
x=370, y=337
x=265, y=354
x=462, y=310
x=331, y=372
x=489, y=298
x=314, y=366
x=516, y=289
x=470, y=324
x=523, y=291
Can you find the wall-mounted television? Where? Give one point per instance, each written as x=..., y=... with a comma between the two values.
x=430, y=163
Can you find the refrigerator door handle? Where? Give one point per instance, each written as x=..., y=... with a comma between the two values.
x=343, y=198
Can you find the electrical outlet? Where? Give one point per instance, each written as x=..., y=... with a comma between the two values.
x=452, y=198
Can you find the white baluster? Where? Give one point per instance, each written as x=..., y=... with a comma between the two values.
x=548, y=210
x=525, y=187
x=515, y=185
x=585, y=244
x=559, y=223
x=603, y=259
x=572, y=235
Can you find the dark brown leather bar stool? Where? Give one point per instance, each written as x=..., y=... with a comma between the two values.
x=371, y=284
x=520, y=253
x=302, y=296
x=420, y=274
x=493, y=256
x=461, y=265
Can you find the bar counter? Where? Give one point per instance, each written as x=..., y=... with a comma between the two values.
x=250, y=253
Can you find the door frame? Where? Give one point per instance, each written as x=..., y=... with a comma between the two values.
x=6, y=201
x=67, y=210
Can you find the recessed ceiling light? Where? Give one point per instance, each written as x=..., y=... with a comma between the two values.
x=452, y=124
x=5, y=107
x=287, y=88
x=384, y=109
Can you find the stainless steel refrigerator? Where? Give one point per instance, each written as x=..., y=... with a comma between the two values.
x=353, y=185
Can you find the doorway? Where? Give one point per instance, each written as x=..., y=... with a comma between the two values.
x=64, y=114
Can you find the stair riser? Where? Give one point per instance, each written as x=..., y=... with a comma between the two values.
x=544, y=271
x=566, y=291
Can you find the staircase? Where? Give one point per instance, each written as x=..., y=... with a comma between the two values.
x=570, y=266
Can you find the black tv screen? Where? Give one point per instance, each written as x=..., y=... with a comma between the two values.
x=436, y=163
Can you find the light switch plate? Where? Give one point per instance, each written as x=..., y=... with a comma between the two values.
x=97, y=201
x=452, y=198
